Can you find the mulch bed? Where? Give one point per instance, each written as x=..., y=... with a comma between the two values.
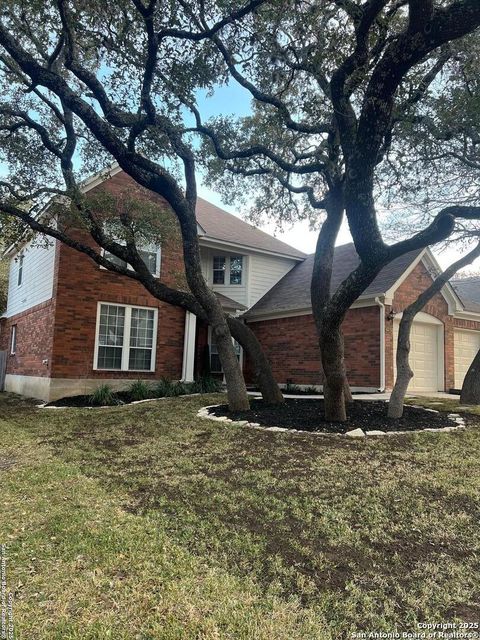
x=86, y=401
x=307, y=415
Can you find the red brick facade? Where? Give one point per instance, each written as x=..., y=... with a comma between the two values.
x=291, y=345
x=62, y=330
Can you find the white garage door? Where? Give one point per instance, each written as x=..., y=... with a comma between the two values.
x=466, y=345
x=424, y=360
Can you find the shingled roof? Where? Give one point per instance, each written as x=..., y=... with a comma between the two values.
x=292, y=292
x=468, y=290
x=221, y=225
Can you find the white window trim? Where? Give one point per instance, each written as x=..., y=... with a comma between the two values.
x=129, y=266
x=13, y=340
x=228, y=269
x=126, y=337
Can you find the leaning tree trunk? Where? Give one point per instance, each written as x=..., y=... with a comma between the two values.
x=404, y=372
x=471, y=385
x=262, y=369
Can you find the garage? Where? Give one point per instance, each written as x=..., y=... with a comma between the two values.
x=466, y=344
x=426, y=354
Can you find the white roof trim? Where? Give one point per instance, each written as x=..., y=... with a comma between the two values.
x=426, y=256
x=207, y=241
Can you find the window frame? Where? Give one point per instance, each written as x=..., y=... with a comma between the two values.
x=227, y=280
x=126, y=338
x=224, y=270
x=21, y=265
x=13, y=340
x=158, y=251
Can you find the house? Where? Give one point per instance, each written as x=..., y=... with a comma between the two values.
x=71, y=325
x=445, y=336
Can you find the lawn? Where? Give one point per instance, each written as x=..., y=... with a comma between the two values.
x=146, y=522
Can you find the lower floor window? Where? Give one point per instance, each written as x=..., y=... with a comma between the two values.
x=215, y=363
x=126, y=338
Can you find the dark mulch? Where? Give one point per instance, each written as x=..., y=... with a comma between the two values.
x=307, y=415
x=86, y=401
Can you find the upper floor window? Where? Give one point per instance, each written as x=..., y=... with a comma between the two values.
x=125, y=338
x=150, y=255
x=21, y=259
x=232, y=265
x=236, y=268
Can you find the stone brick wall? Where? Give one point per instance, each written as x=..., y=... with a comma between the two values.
x=291, y=345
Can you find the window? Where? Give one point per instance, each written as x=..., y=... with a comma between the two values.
x=125, y=338
x=234, y=265
x=215, y=364
x=13, y=340
x=219, y=269
x=21, y=258
x=150, y=255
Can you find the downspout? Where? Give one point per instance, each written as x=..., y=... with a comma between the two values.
x=382, y=344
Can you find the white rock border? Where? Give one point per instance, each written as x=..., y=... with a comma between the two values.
x=355, y=433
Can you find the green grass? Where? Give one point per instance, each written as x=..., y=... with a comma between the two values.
x=145, y=522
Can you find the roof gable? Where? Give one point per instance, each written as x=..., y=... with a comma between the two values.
x=292, y=292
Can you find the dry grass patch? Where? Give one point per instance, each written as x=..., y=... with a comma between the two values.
x=147, y=522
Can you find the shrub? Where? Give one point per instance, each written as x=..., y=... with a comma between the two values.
x=311, y=391
x=178, y=389
x=292, y=388
x=207, y=384
x=163, y=388
x=139, y=390
x=104, y=396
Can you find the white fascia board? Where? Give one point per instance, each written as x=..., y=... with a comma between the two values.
x=467, y=315
x=213, y=243
x=368, y=301
x=98, y=178
x=391, y=292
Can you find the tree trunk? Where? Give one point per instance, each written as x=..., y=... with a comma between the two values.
x=262, y=369
x=471, y=385
x=236, y=389
x=335, y=383
x=404, y=372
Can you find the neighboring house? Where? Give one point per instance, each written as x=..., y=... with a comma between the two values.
x=71, y=326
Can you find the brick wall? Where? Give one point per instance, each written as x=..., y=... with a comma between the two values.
x=82, y=284
x=291, y=345
x=34, y=340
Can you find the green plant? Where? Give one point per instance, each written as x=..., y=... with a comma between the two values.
x=311, y=390
x=139, y=390
x=292, y=388
x=178, y=389
x=104, y=396
x=207, y=384
x=163, y=388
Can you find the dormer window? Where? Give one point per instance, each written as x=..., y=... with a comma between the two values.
x=232, y=265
